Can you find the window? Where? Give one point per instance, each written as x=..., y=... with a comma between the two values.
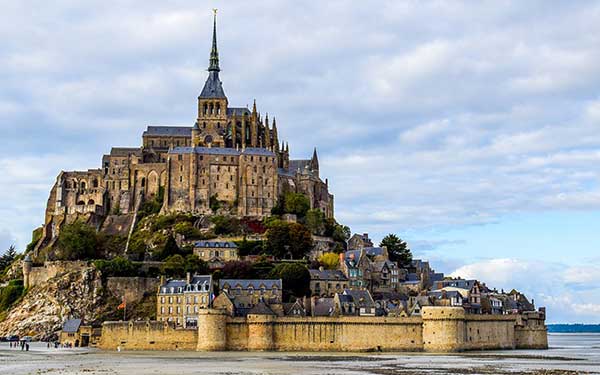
x=180, y=157
x=170, y=309
x=162, y=309
x=170, y=299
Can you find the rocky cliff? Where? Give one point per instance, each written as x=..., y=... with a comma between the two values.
x=43, y=309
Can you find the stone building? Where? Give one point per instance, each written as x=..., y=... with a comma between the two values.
x=230, y=155
x=179, y=301
x=325, y=283
x=216, y=253
x=240, y=296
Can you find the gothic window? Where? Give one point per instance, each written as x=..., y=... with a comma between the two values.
x=218, y=125
x=204, y=125
x=82, y=185
x=218, y=109
x=91, y=202
x=205, y=109
x=143, y=181
x=212, y=109
x=95, y=183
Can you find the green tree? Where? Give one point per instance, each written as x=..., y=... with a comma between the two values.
x=195, y=265
x=174, y=266
x=226, y=225
x=295, y=278
x=9, y=256
x=77, y=241
x=296, y=203
x=330, y=261
x=10, y=294
x=237, y=269
x=170, y=248
x=397, y=249
x=118, y=266
x=288, y=239
x=315, y=221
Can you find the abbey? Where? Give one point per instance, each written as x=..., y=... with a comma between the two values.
x=231, y=155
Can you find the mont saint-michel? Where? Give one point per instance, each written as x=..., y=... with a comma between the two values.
x=208, y=237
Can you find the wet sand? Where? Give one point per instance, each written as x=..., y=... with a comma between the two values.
x=569, y=354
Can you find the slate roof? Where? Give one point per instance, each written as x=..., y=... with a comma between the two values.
x=362, y=298
x=449, y=294
x=213, y=88
x=261, y=309
x=327, y=275
x=323, y=306
x=370, y=251
x=172, y=131
x=213, y=244
x=179, y=286
x=246, y=283
x=238, y=111
x=298, y=164
x=71, y=325
x=378, y=266
x=458, y=283
x=124, y=151
x=222, y=151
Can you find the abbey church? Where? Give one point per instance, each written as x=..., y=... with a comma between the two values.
x=231, y=155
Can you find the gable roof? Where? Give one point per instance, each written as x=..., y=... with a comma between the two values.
x=247, y=283
x=71, y=325
x=214, y=244
x=361, y=298
x=261, y=309
x=324, y=306
x=172, y=131
x=327, y=275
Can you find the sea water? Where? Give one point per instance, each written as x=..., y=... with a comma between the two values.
x=568, y=354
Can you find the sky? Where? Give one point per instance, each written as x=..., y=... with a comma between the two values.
x=470, y=129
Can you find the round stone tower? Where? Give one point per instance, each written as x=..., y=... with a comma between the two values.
x=212, y=330
x=26, y=270
x=443, y=328
x=260, y=332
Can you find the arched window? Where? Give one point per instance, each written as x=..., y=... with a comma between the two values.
x=212, y=109
x=205, y=109
x=81, y=203
x=143, y=181
x=95, y=183
x=82, y=185
x=91, y=202
x=218, y=109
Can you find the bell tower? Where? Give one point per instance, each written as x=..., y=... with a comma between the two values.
x=211, y=125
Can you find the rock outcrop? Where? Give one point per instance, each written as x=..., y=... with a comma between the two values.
x=73, y=294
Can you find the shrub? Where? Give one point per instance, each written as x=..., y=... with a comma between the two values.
x=10, y=294
x=296, y=203
x=116, y=267
x=330, y=261
x=77, y=241
x=226, y=225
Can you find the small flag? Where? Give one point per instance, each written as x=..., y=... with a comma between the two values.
x=122, y=305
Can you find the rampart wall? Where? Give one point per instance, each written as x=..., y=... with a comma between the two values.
x=441, y=329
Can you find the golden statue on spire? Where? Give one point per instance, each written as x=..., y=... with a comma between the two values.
x=215, y=11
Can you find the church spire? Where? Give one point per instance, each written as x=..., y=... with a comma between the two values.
x=214, y=53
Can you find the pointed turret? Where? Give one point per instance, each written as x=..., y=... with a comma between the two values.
x=213, y=87
x=214, y=53
x=275, y=136
x=267, y=132
x=314, y=161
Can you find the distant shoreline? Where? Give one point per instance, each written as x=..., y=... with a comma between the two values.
x=573, y=328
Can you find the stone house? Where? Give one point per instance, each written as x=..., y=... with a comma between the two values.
x=357, y=268
x=216, y=253
x=355, y=303
x=325, y=283
x=75, y=334
x=359, y=241
x=179, y=301
x=245, y=294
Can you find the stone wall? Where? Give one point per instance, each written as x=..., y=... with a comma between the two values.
x=50, y=269
x=147, y=336
x=441, y=329
x=132, y=288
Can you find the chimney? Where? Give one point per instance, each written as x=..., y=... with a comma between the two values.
x=188, y=278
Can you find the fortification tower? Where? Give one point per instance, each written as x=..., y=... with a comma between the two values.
x=260, y=332
x=26, y=271
x=443, y=329
x=212, y=330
